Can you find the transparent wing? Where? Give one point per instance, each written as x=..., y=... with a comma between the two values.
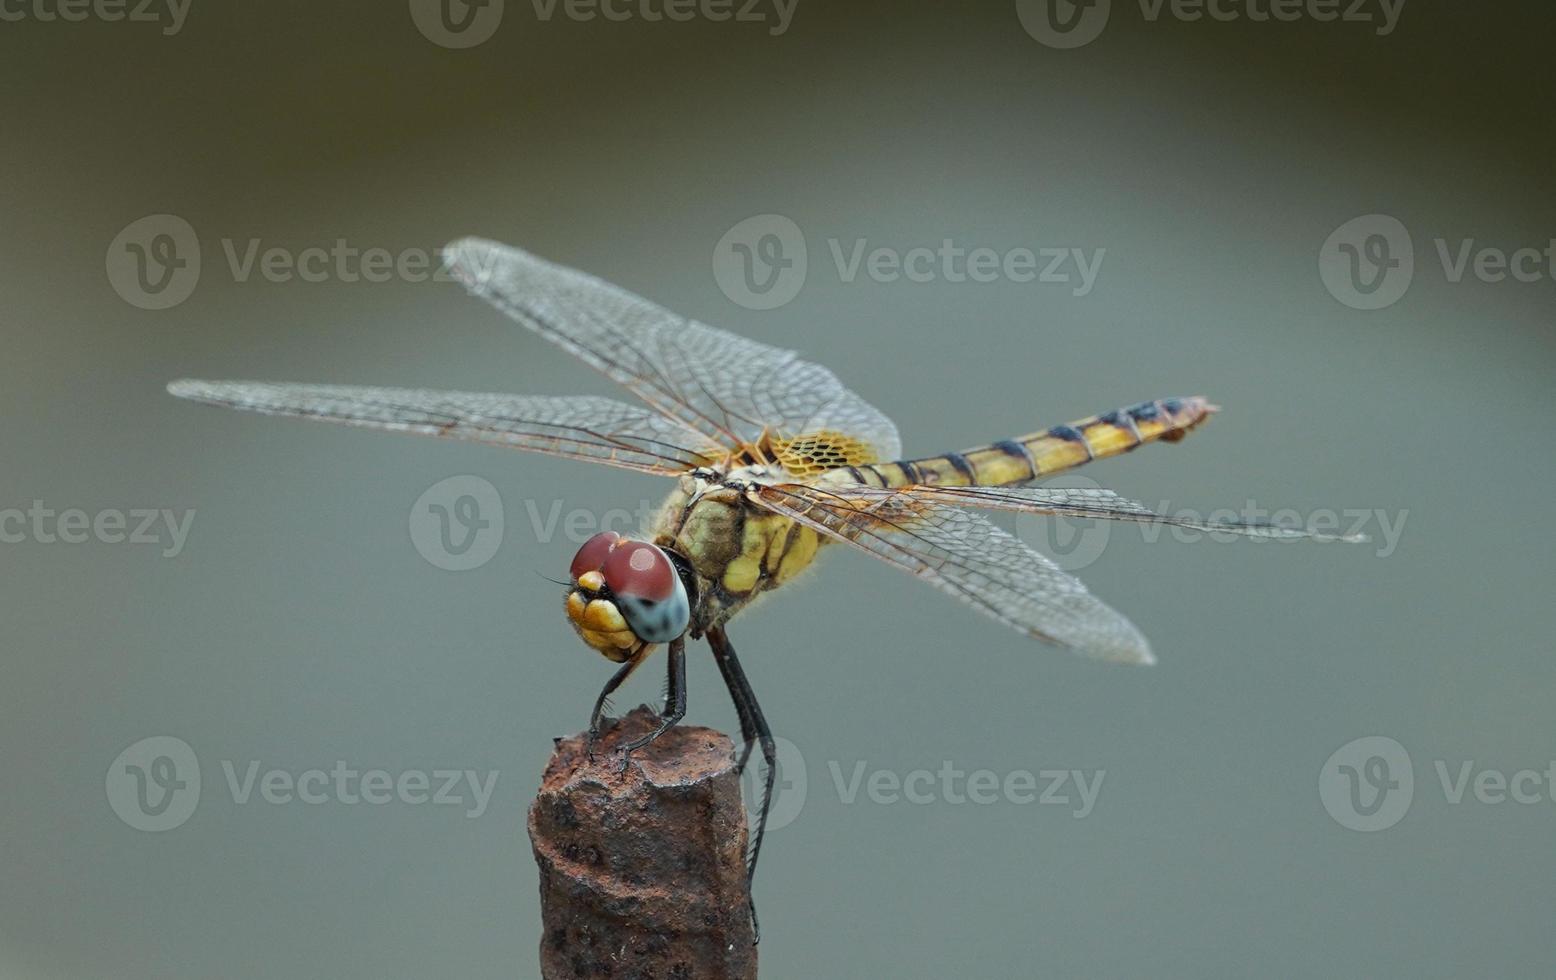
x=596, y=429
x=960, y=552
x=726, y=387
x=1098, y=503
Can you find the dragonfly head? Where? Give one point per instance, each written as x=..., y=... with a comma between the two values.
x=626, y=595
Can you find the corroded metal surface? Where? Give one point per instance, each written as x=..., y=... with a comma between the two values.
x=642, y=871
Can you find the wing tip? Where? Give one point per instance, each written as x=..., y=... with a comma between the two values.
x=471, y=259
x=1138, y=655
x=1131, y=651
x=190, y=388
x=1326, y=537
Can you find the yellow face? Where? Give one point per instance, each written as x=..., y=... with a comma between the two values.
x=627, y=595
x=599, y=622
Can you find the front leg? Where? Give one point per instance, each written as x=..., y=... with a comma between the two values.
x=675, y=701
x=599, y=702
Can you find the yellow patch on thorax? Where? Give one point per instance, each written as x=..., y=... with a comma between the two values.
x=764, y=538
x=737, y=549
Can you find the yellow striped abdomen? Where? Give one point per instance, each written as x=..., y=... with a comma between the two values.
x=1044, y=453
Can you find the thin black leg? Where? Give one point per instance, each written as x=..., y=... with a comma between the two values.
x=735, y=681
x=599, y=702
x=675, y=700
x=753, y=727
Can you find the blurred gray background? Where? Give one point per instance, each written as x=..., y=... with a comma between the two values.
x=299, y=625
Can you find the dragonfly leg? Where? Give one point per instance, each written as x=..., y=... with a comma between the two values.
x=675, y=700
x=599, y=702
x=734, y=679
x=754, y=730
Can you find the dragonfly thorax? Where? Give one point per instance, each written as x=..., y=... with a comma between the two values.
x=737, y=549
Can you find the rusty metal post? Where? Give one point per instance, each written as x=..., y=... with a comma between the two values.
x=642, y=871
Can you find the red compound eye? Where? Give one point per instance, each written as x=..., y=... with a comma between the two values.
x=591, y=557
x=640, y=570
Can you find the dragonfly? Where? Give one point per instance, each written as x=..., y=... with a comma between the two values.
x=774, y=460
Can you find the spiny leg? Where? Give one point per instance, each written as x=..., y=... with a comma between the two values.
x=753, y=727
x=675, y=700
x=748, y=730
x=599, y=702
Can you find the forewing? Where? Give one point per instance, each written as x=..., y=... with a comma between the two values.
x=726, y=387
x=1093, y=503
x=597, y=429
x=960, y=552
